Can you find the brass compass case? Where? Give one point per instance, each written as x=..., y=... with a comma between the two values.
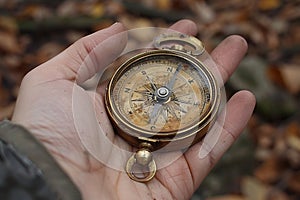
x=164, y=98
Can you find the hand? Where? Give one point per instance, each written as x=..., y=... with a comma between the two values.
x=46, y=103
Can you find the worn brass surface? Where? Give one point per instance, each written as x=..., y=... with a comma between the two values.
x=164, y=97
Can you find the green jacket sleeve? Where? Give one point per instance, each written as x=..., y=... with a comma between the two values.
x=27, y=147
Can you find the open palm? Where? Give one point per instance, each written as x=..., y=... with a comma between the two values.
x=46, y=107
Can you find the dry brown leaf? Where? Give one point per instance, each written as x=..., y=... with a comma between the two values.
x=97, y=10
x=93, y=9
x=253, y=189
x=12, y=61
x=274, y=74
x=262, y=154
x=291, y=77
x=272, y=40
x=36, y=11
x=8, y=24
x=163, y=4
x=294, y=182
x=265, y=135
x=143, y=36
x=280, y=147
x=293, y=157
x=290, y=11
x=270, y=171
x=136, y=22
x=294, y=33
x=114, y=8
x=287, y=76
x=67, y=8
x=268, y=4
x=204, y=12
x=9, y=43
x=293, y=136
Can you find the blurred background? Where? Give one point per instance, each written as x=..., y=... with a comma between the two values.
x=264, y=164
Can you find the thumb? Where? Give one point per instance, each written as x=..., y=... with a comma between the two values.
x=85, y=57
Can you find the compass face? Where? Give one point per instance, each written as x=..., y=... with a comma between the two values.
x=161, y=93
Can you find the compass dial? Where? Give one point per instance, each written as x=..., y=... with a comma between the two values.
x=161, y=93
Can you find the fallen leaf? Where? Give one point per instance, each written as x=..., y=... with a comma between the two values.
x=291, y=77
x=67, y=8
x=292, y=140
x=9, y=43
x=290, y=11
x=8, y=24
x=268, y=4
x=293, y=158
x=140, y=35
x=97, y=10
x=287, y=76
x=36, y=12
x=272, y=40
x=163, y=4
x=12, y=61
x=254, y=189
x=274, y=75
x=114, y=8
x=204, y=13
x=262, y=154
x=265, y=135
x=270, y=170
x=294, y=182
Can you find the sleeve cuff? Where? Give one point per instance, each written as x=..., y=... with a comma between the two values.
x=26, y=144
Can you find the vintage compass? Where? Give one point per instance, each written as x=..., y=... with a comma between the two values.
x=164, y=97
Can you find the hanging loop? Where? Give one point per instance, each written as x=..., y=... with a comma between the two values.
x=140, y=166
x=180, y=42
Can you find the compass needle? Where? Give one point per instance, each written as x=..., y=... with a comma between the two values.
x=178, y=107
x=183, y=101
x=172, y=111
x=179, y=87
x=165, y=114
x=171, y=83
x=153, y=86
x=154, y=114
